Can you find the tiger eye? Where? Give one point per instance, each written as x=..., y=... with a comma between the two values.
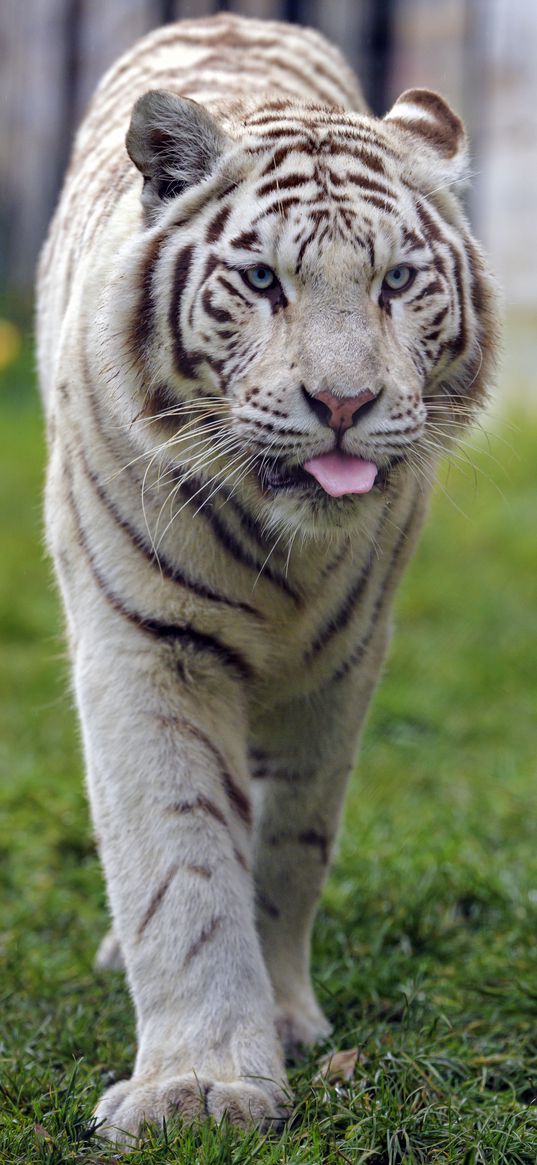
x=398, y=279
x=260, y=277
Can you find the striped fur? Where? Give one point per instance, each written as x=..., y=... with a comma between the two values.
x=228, y=619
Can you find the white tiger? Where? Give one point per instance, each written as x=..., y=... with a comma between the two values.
x=251, y=363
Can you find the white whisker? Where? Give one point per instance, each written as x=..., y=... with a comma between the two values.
x=270, y=553
x=205, y=485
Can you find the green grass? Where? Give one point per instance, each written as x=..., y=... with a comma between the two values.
x=426, y=944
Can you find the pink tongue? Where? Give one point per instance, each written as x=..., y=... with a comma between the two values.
x=340, y=474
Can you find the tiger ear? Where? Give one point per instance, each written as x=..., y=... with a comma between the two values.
x=441, y=153
x=174, y=143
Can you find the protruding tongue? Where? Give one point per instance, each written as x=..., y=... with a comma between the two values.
x=340, y=474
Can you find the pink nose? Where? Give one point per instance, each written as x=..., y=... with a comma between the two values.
x=340, y=410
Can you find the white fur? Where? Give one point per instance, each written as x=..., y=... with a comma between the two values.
x=212, y=919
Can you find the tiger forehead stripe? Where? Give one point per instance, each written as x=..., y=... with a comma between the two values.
x=280, y=205
x=247, y=240
x=287, y=182
x=300, y=149
x=217, y=224
x=370, y=185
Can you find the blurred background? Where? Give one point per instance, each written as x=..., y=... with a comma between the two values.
x=479, y=53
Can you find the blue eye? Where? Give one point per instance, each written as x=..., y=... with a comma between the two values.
x=398, y=278
x=261, y=277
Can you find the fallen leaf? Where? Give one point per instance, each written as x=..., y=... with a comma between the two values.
x=41, y=1132
x=337, y=1067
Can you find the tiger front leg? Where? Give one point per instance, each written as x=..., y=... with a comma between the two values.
x=169, y=793
x=300, y=779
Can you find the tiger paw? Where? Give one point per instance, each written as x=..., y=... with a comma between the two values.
x=300, y=1025
x=126, y=1107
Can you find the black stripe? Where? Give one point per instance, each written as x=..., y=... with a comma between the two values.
x=296, y=138
x=205, y=936
x=237, y=799
x=288, y=182
x=156, y=900
x=458, y=345
x=430, y=225
x=190, y=637
x=233, y=290
x=372, y=161
x=370, y=246
x=201, y=871
x=412, y=239
x=288, y=776
x=474, y=264
x=210, y=265
x=431, y=289
x=312, y=837
x=162, y=564
x=217, y=224
x=202, y=804
x=247, y=240
x=160, y=398
x=335, y=562
x=305, y=242
x=360, y=650
x=369, y=184
x=220, y=529
x=439, y=317
x=185, y=362
x=183, y=634
x=266, y=905
x=275, y=161
x=341, y=618
x=381, y=204
x=276, y=114
x=190, y=490
x=143, y=324
x=216, y=313
x=282, y=206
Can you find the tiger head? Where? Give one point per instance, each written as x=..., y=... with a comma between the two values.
x=312, y=317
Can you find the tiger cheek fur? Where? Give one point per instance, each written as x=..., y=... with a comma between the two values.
x=258, y=330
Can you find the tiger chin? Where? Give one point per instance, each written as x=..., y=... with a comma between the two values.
x=262, y=319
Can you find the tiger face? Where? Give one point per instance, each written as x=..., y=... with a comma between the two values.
x=308, y=288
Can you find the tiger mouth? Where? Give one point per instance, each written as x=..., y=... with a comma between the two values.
x=278, y=477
